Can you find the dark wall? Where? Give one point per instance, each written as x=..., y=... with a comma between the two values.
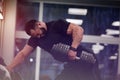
x=113, y=3
x=93, y=2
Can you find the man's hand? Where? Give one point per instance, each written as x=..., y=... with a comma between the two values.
x=4, y=73
x=8, y=68
x=72, y=54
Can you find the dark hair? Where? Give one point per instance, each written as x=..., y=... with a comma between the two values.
x=30, y=25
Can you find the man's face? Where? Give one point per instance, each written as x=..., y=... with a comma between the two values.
x=38, y=31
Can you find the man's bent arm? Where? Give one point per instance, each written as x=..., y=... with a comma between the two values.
x=20, y=57
x=77, y=34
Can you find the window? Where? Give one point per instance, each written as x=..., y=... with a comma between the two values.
x=97, y=20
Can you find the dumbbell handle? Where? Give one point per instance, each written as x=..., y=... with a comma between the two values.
x=84, y=57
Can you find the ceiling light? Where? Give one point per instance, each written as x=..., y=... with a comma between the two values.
x=116, y=23
x=112, y=32
x=31, y=60
x=116, y=54
x=113, y=57
x=75, y=21
x=77, y=11
x=97, y=48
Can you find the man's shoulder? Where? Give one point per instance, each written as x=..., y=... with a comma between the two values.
x=32, y=39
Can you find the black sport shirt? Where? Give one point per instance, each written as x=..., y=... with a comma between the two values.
x=56, y=33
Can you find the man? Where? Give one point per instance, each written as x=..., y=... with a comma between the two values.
x=46, y=35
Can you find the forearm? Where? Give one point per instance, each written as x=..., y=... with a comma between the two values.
x=20, y=57
x=16, y=61
x=77, y=34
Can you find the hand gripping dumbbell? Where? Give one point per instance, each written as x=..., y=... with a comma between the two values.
x=63, y=49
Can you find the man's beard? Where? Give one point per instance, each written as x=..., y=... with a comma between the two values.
x=44, y=31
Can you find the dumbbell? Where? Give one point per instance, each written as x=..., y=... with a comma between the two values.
x=4, y=73
x=63, y=49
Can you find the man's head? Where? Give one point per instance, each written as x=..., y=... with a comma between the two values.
x=35, y=28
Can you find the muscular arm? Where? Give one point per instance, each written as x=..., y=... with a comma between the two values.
x=77, y=34
x=20, y=57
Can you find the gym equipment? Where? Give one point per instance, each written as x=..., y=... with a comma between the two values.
x=62, y=50
x=4, y=73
